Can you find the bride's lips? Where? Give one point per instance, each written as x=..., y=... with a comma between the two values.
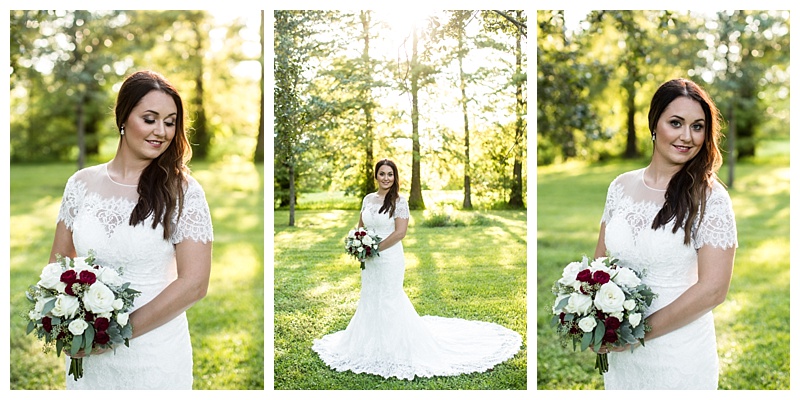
x=155, y=143
x=682, y=149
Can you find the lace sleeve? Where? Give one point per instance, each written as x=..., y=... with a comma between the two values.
x=718, y=227
x=401, y=208
x=612, y=197
x=71, y=201
x=195, y=221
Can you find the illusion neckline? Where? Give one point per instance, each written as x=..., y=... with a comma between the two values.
x=648, y=186
x=115, y=182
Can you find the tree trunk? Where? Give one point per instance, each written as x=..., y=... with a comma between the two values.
x=467, y=190
x=369, y=182
x=258, y=157
x=291, y=194
x=81, y=132
x=631, y=150
x=415, y=201
x=731, y=146
x=515, y=200
x=201, y=137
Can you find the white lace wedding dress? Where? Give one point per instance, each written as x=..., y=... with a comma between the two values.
x=387, y=337
x=687, y=357
x=96, y=209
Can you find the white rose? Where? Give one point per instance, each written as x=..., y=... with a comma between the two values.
x=78, y=326
x=626, y=277
x=618, y=315
x=50, y=277
x=80, y=264
x=599, y=265
x=40, y=302
x=579, y=304
x=122, y=319
x=629, y=304
x=117, y=304
x=635, y=319
x=66, y=306
x=352, y=233
x=587, y=324
x=99, y=298
x=367, y=240
x=109, y=276
x=570, y=273
x=609, y=298
x=360, y=249
x=558, y=300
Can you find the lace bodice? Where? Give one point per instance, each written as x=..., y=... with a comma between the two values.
x=685, y=358
x=382, y=223
x=97, y=210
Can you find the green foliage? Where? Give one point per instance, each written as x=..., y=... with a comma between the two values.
x=472, y=272
x=752, y=325
x=227, y=327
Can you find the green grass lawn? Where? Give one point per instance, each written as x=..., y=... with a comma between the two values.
x=475, y=271
x=752, y=324
x=227, y=326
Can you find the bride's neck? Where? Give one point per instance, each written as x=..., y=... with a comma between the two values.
x=658, y=176
x=124, y=171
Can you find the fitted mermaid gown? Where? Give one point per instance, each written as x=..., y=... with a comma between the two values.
x=96, y=209
x=387, y=337
x=687, y=357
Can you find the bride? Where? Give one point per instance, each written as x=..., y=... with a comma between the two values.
x=144, y=213
x=386, y=336
x=674, y=220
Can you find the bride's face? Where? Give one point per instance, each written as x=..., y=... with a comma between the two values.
x=385, y=177
x=680, y=132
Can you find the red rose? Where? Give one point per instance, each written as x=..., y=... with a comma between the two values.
x=87, y=277
x=101, y=337
x=610, y=337
x=101, y=324
x=88, y=317
x=69, y=277
x=601, y=277
x=68, y=290
x=612, y=323
x=47, y=324
x=585, y=276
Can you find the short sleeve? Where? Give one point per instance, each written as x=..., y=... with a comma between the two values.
x=74, y=192
x=718, y=226
x=401, y=208
x=612, y=199
x=195, y=220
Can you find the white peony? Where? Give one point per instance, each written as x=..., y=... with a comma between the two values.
x=122, y=319
x=99, y=299
x=626, y=277
x=579, y=304
x=78, y=326
x=587, y=324
x=635, y=319
x=609, y=298
x=50, y=277
x=66, y=306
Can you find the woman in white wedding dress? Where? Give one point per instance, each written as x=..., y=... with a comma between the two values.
x=674, y=220
x=144, y=213
x=386, y=336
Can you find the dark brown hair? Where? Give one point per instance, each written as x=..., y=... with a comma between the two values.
x=689, y=187
x=394, y=192
x=162, y=182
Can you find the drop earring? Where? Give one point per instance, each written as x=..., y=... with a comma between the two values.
x=122, y=130
x=653, y=136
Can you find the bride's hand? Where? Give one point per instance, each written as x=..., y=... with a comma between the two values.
x=608, y=349
x=81, y=353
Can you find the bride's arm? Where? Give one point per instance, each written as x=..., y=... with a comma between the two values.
x=62, y=242
x=714, y=271
x=400, y=228
x=600, y=249
x=194, y=269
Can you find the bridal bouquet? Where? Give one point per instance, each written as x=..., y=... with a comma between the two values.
x=79, y=305
x=362, y=244
x=599, y=303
